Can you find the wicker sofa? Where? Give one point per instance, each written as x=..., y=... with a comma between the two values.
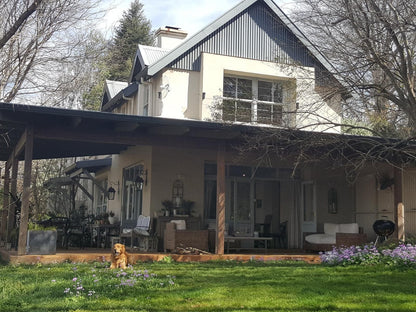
x=177, y=236
x=338, y=235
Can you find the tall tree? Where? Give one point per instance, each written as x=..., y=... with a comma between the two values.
x=133, y=29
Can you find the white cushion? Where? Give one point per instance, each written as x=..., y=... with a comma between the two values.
x=348, y=228
x=180, y=224
x=331, y=228
x=143, y=222
x=140, y=231
x=321, y=239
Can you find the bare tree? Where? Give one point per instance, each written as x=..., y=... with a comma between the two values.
x=372, y=43
x=36, y=37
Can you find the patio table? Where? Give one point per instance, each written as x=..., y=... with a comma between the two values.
x=229, y=239
x=104, y=231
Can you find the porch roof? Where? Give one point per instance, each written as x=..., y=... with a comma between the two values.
x=92, y=165
x=62, y=133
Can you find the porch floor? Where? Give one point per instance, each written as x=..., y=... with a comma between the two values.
x=99, y=254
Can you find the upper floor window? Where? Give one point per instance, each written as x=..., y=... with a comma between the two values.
x=252, y=100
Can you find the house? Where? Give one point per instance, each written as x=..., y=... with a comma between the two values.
x=189, y=102
x=250, y=66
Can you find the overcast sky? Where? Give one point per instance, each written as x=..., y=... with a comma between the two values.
x=190, y=15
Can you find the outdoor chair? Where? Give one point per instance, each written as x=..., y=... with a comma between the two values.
x=141, y=231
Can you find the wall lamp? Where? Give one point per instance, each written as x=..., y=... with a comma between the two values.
x=141, y=179
x=111, y=192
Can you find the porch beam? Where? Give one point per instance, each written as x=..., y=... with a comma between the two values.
x=398, y=203
x=219, y=244
x=24, y=214
x=83, y=189
x=128, y=138
x=94, y=180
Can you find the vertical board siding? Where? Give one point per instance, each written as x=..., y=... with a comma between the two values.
x=256, y=33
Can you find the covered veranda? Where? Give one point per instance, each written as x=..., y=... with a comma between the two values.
x=31, y=133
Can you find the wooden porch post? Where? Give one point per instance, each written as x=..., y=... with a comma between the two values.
x=11, y=221
x=398, y=203
x=24, y=214
x=5, y=204
x=219, y=246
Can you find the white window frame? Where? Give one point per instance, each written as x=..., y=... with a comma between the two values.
x=254, y=102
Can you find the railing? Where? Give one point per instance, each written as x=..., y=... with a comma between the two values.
x=252, y=111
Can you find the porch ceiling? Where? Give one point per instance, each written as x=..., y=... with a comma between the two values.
x=62, y=133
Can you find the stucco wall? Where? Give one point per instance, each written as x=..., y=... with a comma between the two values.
x=176, y=94
x=169, y=164
x=301, y=79
x=133, y=156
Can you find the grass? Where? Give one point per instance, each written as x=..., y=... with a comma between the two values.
x=212, y=286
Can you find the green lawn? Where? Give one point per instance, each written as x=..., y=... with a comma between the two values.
x=213, y=286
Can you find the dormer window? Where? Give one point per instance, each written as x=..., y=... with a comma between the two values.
x=252, y=100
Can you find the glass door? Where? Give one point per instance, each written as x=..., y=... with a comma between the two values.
x=240, y=208
x=308, y=207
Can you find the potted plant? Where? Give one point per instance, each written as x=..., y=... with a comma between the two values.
x=41, y=240
x=111, y=217
x=167, y=207
x=105, y=218
x=187, y=206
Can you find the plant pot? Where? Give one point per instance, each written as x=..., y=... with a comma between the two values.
x=111, y=220
x=41, y=242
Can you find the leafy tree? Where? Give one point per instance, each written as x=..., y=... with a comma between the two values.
x=134, y=29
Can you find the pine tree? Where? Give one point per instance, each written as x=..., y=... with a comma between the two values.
x=134, y=29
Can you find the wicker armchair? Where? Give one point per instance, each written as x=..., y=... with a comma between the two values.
x=184, y=238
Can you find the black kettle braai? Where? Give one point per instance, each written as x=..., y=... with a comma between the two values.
x=383, y=229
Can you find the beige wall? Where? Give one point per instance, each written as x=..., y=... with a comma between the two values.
x=324, y=181
x=168, y=164
x=133, y=156
x=301, y=79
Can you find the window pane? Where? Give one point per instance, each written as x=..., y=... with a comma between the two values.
x=239, y=171
x=264, y=113
x=277, y=115
x=244, y=90
x=210, y=199
x=265, y=91
x=228, y=110
x=230, y=87
x=243, y=111
x=278, y=93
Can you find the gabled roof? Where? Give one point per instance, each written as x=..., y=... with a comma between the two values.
x=114, y=87
x=111, y=89
x=221, y=21
x=121, y=97
x=145, y=56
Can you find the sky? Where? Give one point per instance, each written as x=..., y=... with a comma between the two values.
x=189, y=15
